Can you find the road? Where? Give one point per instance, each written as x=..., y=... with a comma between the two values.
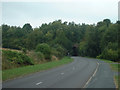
x=81, y=73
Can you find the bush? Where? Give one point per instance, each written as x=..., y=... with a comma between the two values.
x=37, y=57
x=40, y=55
x=109, y=54
x=24, y=50
x=54, y=58
x=99, y=57
x=58, y=51
x=45, y=49
x=16, y=58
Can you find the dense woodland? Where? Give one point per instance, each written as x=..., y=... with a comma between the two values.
x=65, y=39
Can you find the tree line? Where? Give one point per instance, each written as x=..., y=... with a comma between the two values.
x=66, y=38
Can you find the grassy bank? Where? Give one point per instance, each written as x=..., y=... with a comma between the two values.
x=16, y=72
x=117, y=82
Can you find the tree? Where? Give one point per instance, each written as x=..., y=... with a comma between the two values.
x=110, y=35
x=80, y=39
x=27, y=28
x=107, y=22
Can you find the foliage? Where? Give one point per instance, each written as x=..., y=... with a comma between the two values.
x=27, y=28
x=75, y=39
x=24, y=50
x=37, y=57
x=58, y=51
x=15, y=58
x=109, y=54
x=45, y=49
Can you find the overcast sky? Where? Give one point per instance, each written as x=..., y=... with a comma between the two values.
x=44, y=11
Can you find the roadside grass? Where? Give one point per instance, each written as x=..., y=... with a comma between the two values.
x=115, y=67
x=117, y=77
x=107, y=61
x=0, y=75
x=16, y=72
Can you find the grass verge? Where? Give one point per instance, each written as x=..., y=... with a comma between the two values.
x=115, y=67
x=16, y=72
x=107, y=61
x=117, y=77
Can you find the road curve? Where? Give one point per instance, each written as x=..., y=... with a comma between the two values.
x=82, y=72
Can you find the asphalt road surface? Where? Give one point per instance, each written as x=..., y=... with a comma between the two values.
x=81, y=73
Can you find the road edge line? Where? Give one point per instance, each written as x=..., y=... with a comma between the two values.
x=91, y=76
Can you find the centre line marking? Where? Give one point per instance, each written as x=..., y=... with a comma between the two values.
x=92, y=75
x=39, y=83
x=62, y=73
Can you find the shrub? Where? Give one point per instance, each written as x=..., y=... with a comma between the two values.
x=58, y=51
x=16, y=58
x=45, y=49
x=99, y=57
x=109, y=54
x=37, y=57
x=40, y=55
x=24, y=50
x=54, y=58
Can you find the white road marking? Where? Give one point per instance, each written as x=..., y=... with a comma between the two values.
x=62, y=73
x=95, y=70
x=39, y=83
x=88, y=81
x=92, y=75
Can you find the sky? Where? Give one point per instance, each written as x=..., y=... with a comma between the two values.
x=17, y=13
